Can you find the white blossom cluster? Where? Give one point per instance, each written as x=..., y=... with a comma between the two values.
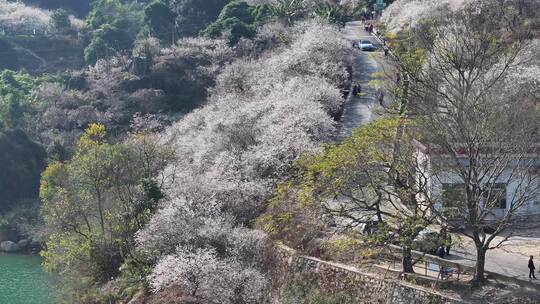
x=524, y=78
x=262, y=114
x=18, y=18
x=202, y=274
x=401, y=12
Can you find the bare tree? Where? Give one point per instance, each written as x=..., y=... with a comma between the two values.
x=482, y=138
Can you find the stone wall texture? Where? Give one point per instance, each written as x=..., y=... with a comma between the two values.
x=368, y=288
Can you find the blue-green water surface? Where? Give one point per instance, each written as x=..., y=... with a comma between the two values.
x=23, y=281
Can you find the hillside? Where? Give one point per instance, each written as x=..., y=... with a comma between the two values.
x=40, y=54
x=174, y=151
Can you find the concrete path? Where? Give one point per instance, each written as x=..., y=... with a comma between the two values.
x=506, y=260
x=359, y=110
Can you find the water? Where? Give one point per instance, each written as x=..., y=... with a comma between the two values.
x=23, y=281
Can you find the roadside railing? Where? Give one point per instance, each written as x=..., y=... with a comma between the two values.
x=431, y=266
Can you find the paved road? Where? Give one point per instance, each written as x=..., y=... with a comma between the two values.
x=359, y=110
x=501, y=260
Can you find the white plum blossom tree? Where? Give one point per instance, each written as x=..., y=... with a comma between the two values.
x=262, y=114
x=18, y=18
x=204, y=276
x=400, y=12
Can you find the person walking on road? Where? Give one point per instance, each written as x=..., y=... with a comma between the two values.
x=531, y=268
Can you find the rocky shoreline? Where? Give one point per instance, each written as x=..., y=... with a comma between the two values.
x=23, y=245
x=12, y=242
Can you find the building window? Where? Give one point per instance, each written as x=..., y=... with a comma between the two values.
x=495, y=196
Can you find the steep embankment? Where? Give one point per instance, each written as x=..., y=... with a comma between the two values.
x=40, y=54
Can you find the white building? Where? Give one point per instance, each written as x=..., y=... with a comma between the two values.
x=507, y=186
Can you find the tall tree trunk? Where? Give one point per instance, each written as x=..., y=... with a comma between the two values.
x=407, y=260
x=100, y=210
x=480, y=265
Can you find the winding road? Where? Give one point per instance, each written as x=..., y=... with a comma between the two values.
x=359, y=110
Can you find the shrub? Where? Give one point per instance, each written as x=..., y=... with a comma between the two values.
x=22, y=161
x=60, y=21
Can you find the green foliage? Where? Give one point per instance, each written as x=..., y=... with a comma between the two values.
x=94, y=203
x=60, y=21
x=23, y=217
x=83, y=290
x=337, y=14
x=237, y=9
x=15, y=97
x=368, y=171
x=195, y=15
x=236, y=28
x=98, y=49
x=135, y=270
x=113, y=27
x=405, y=48
x=22, y=161
x=239, y=19
x=161, y=21
x=288, y=10
x=327, y=172
x=260, y=13
x=311, y=294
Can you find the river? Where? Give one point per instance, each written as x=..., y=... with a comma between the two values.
x=23, y=281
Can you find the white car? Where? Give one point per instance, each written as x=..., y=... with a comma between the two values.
x=366, y=45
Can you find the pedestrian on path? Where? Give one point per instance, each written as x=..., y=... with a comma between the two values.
x=356, y=89
x=446, y=240
x=380, y=98
x=531, y=268
x=440, y=252
x=448, y=243
x=385, y=48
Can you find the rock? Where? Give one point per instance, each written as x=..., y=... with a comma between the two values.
x=23, y=243
x=9, y=246
x=7, y=234
x=34, y=246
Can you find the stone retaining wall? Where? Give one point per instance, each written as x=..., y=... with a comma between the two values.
x=367, y=287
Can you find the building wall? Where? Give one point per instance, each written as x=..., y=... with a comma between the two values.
x=530, y=207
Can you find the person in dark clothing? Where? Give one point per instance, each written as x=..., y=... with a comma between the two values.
x=380, y=98
x=385, y=49
x=531, y=268
x=448, y=243
x=440, y=252
x=446, y=240
x=356, y=89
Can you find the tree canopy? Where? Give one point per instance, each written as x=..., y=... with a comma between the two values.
x=22, y=162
